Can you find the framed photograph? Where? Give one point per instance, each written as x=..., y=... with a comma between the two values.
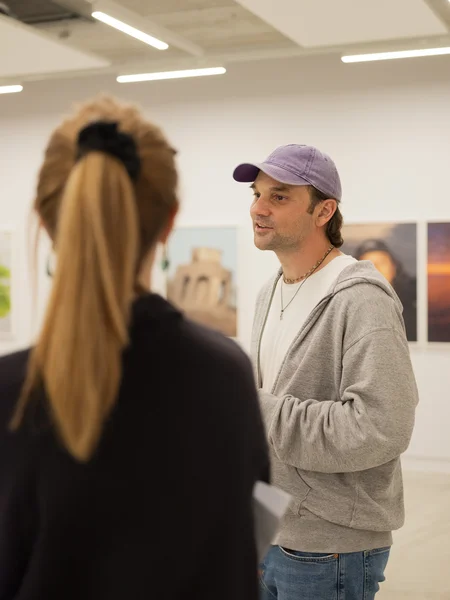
x=202, y=275
x=6, y=275
x=438, y=267
x=392, y=248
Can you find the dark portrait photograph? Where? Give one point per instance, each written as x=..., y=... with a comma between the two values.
x=392, y=248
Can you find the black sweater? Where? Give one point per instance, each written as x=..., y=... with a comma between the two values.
x=163, y=510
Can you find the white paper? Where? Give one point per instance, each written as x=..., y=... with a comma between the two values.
x=269, y=505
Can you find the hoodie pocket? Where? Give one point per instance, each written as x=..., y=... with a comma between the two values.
x=299, y=490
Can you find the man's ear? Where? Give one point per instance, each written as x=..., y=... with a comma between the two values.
x=325, y=212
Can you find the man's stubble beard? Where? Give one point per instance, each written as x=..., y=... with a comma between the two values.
x=281, y=244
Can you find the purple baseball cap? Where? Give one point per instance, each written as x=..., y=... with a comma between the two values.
x=296, y=165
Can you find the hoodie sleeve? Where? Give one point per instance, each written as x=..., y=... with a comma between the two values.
x=369, y=426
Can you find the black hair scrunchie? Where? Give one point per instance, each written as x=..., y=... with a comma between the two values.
x=104, y=136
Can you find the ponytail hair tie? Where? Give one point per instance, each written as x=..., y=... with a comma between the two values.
x=104, y=136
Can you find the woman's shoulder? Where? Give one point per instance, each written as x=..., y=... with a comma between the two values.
x=211, y=341
x=158, y=324
x=13, y=370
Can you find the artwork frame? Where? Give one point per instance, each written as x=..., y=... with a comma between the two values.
x=437, y=267
x=226, y=238
x=400, y=243
x=7, y=283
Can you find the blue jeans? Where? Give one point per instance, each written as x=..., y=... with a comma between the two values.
x=292, y=575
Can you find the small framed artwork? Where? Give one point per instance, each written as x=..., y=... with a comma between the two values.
x=6, y=285
x=392, y=248
x=438, y=271
x=202, y=276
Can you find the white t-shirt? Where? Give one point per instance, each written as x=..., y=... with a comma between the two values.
x=280, y=333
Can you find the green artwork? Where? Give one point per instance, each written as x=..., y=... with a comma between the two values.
x=5, y=291
x=5, y=283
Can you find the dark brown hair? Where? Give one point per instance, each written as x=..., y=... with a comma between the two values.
x=335, y=224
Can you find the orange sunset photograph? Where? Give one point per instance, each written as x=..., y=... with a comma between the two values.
x=439, y=282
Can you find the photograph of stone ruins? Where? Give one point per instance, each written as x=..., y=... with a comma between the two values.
x=204, y=291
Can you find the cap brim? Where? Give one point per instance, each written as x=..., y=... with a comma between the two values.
x=248, y=172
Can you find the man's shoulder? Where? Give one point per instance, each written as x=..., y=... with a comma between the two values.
x=366, y=307
x=361, y=284
x=362, y=273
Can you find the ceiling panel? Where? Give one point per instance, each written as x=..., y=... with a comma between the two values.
x=32, y=52
x=105, y=41
x=149, y=8
x=316, y=23
x=223, y=28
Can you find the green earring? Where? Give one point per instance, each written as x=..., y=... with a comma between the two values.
x=165, y=262
x=49, y=268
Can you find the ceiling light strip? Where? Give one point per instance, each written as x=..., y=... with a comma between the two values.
x=132, y=31
x=10, y=89
x=356, y=58
x=171, y=75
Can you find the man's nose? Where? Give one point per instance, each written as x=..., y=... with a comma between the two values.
x=260, y=207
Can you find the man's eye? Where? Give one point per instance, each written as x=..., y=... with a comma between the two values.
x=256, y=195
x=280, y=198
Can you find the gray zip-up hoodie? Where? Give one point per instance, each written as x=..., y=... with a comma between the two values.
x=340, y=414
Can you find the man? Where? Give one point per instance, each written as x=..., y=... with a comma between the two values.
x=336, y=386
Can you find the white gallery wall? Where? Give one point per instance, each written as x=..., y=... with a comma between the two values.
x=387, y=125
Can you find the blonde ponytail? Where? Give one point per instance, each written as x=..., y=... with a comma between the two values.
x=78, y=355
x=105, y=209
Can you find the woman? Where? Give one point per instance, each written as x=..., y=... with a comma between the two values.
x=392, y=269
x=130, y=438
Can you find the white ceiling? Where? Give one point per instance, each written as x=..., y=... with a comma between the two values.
x=28, y=50
x=335, y=22
x=212, y=33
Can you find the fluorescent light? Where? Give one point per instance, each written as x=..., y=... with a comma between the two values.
x=392, y=55
x=171, y=75
x=10, y=89
x=136, y=33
